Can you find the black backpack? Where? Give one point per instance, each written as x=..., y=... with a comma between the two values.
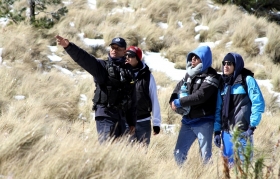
x=245, y=72
x=117, y=91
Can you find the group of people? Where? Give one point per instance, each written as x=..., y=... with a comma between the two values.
x=126, y=101
x=219, y=103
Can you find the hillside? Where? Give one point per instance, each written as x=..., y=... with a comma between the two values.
x=47, y=127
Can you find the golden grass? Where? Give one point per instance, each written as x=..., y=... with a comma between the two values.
x=37, y=141
x=271, y=104
x=52, y=134
x=158, y=10
x=245, y=39
x=276, y=82
x=226, y=24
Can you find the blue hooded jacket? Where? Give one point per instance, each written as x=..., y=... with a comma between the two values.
x=245, y=108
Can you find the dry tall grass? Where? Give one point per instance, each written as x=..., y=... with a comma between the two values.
x=51, y=132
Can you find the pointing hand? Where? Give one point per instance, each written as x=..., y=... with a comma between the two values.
x=62, y=41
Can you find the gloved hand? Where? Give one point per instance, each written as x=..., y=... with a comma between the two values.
x=249, y=132
x=217, y=139
x=156, y=129
x=183, y=110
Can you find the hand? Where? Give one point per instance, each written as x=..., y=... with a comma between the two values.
x=156, y=129
x=217, y=139
x=248, y=133
x=173, y=107
x=131, y=130
x=61, y=41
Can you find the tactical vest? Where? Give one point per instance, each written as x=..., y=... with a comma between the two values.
x=116, y=92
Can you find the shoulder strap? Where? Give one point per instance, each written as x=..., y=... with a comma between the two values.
x=113, y=73
x=245, y=72
x=244, y=84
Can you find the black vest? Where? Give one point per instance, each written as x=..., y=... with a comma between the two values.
x=116, y=92
x=144, y=104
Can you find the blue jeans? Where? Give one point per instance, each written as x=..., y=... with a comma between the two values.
x=143, y=132
x=201, y=130
x=228, y=151
x=108, y=128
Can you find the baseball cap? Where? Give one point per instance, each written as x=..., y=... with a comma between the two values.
x=118, y=41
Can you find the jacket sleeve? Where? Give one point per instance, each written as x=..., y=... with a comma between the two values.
x=218, y=122
x=258, y=103
x=175, y=92
x=92, y=65
x=208, y=87
x=131, y=113
x=155, y=102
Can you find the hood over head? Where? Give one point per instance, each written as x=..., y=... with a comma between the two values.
x=238, y=63
x=205, y=55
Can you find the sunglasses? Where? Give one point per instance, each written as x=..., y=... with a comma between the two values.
x=227, y=63
x=130, y=55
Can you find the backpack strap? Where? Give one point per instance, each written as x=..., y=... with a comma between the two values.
x=244, y=84
x=245, y=72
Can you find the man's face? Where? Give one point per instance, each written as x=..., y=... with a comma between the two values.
x=228, y=67
x=195, y=61
x=116, y=51
x=131, y=59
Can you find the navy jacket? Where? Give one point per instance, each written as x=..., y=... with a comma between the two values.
x=245, y=107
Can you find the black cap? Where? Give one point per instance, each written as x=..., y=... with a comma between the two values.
x=118, y=41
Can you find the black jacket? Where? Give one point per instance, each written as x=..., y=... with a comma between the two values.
x=97, y=68
x=203, y=89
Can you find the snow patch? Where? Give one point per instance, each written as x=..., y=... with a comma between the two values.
x=54, y=58
x=19, y=97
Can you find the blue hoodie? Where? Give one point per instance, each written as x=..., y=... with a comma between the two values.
x=204, y=53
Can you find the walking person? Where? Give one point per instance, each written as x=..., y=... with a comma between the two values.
x=239, y=102
x=201, y=80
x=147, y=99
x=114, y=97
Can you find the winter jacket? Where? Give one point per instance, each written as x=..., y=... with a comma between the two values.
x=245, y=107
x=97, y=68
x=147, y=99
x=202, y=87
